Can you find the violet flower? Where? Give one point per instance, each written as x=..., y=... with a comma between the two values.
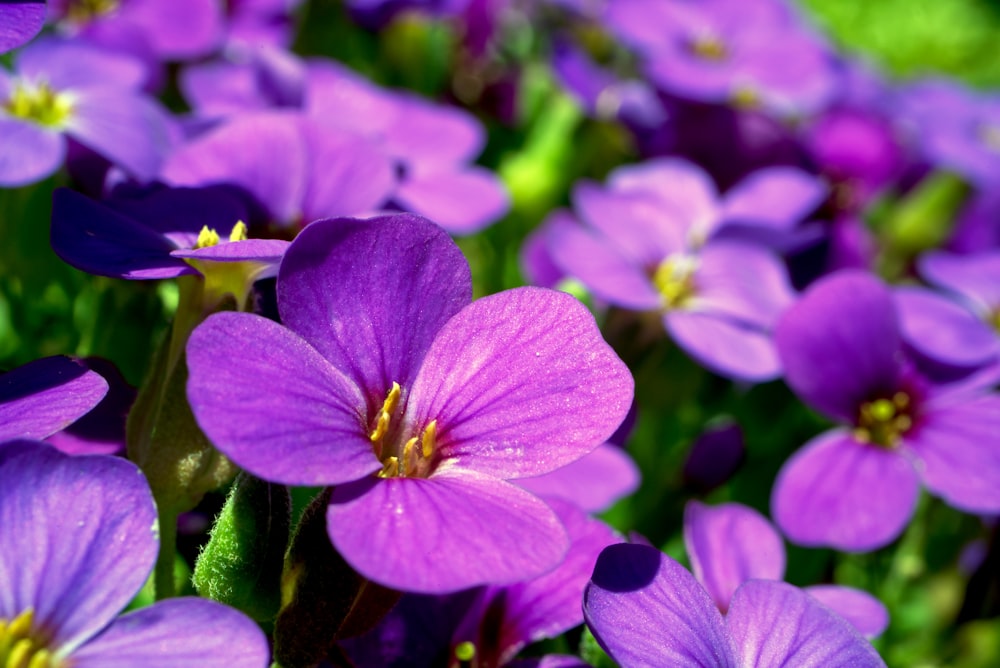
x=645, y=609
x=855, y=487
x=417, y=405
x=79, y=540
x=65, y=89
x=20, y=20
x=730, y=543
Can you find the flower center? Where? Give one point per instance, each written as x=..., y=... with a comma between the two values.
x=39, y=104
x=709, y=47
x=674, y=279
x=20, y=648
x=82, y=11
x=209, y=237
x=989, y=135
x=412, y=457
x=884, y=421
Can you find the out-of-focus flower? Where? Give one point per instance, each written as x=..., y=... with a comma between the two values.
x=20, y=20
x=79, y=540
x=645, y=609
x=416, y=404
x=855, y=487
x=65, y=89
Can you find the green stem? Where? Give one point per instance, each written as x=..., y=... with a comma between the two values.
x=167, y=556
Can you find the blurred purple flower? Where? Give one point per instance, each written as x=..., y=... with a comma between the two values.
x=65, y=89
x=20, y=20
x=416, y=404
x=592, y=483
x=647, y=610
x=79, y=540
x=855, y=487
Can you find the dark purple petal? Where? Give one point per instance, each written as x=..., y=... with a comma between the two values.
x=729, y=544
x=646, y=610
x=272, y=404
x=20, y=20
x=179, y=631
x=840, y=344
x=840, y=493
x=942, y=330
x=865, y=612
x=42, y=397
x=957, y=450
x=776, y=624
x=461, y=202
x=725, y=346
x=30, y=152
x=79, y=538
x=714, y=456
x=454, y=530
x=520, y=383
x=594, y=482
x=777, y=197
x=371, y=295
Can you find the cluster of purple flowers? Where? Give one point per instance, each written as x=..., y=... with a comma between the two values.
x=433, y=465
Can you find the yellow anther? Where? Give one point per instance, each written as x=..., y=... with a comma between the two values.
x=385, y=414
x=239, y=232
x=674, y=279
x=20, y=653
x=709, y=48
x=882, y=410
x=207, y=237
x=901, y=400
x=390, y=468
x=39, y=103
x=22, y=646
x=465, y=651
x=429, y=439
x=744, y=97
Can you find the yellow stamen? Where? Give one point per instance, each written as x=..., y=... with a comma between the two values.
x=39, y=103
x=709, y=48
x=385, y=414
x=207, y=237
x=22, y=646
x=884, y=421
x=674, y=279
x=239, y=232
x=429, y=439
x=465, y=651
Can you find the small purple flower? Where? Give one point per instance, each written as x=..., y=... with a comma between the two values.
x=65, y=89
x=79, y=540
x=855, y=487
x=20, y=20
x=416, y=404
x=645, y=609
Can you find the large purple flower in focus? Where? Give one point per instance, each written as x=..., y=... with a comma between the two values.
x=78, y=541
x=65, y=89
x=645, y=609
x=46, y=395
x=855, y=487
x=416, y=404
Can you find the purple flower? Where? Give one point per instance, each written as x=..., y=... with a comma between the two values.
x=730, y=543
x=646, y=610
x=70, y=89
x=20, y=20
x=79, y=540
x=855, y=487
x=102, y=430
x=416, y=404
x=42, y=397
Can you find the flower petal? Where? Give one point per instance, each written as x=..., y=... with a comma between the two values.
x=454, y=530
x=520, y=384
x=461, y=201
x=272, y=404
x=593, y=482
x=944, y=331
x=30, y=152
x=725, y=346
x=20, y=20
x=844, y=494
x=865, y=612
x=646, y=610
x=79, y=538
x=777, y=197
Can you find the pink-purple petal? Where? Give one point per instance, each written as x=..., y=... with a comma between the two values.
x=840, y=493
x=743, y=281
x=974, y=277
x=272, y=404
x=30, y=152
x=593, y=482
x=724, y=345
x=943, y=330
x=777, y=197
x=461, y=201
x=520, y=384
x=866, y=613
x=178, y=632
x=454, y=530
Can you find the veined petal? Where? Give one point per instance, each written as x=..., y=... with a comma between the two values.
x=840, y=493
x=454, y=530
x=729, y=544
x=214, y=636
x=370, y=295
x=646, y=610
x=776, y=624
x=79, y=538
x=520, y=383
x=273, y=405
x=20, y=20
x=865, y=612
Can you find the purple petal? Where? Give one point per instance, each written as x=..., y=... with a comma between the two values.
x=102, y=430
x=840, y=344
x=594, y=482
x=521, y=383
x=454, y=530
x=20, y=20
x=865, y=612
x=776, y=624
x=729, y=544
x=840, y=493
x=974, y=277
x=79, y=538
x=42, y=397
x=371, y=295
x=214, y=635
x=427, y=133
x=723, y=345
x=646, y=610
x=75, y=64
x=179, y=29
x=777, y=197
x=942, y=330
x=957, y=448
x=263, y=251
x=744, y=281
x=461, y=202
x=30, y=152
x=276, y=407
x=342, y=98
